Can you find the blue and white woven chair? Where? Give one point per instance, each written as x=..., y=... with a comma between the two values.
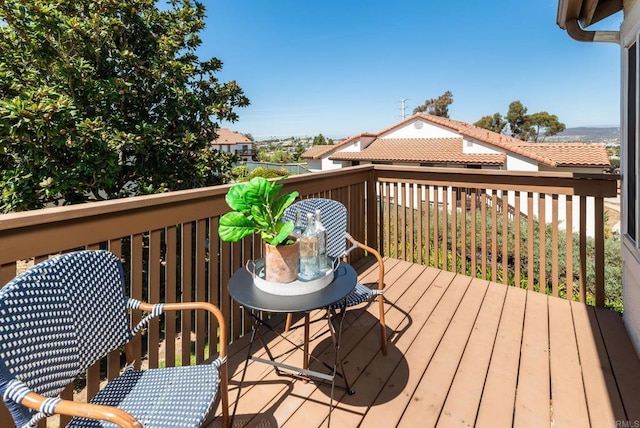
x=334, y=219
x=60, y=316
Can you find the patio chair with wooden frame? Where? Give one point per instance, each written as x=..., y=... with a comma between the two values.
x=334, y=219
x=60, y=316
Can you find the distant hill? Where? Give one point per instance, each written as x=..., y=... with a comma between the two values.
x=586, y=134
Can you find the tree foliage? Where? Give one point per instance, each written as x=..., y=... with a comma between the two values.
x=542, y=125
x=528, y=127
x=494, y=123
x=107, y=98
x=319, y=140
x=436, y=106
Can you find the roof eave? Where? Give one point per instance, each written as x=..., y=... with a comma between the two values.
x=587, y=12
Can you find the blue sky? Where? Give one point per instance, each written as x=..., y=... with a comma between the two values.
x=341, y=67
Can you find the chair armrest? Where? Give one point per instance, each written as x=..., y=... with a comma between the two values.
x=84, y=410
x=197, y=305
x=376, y=255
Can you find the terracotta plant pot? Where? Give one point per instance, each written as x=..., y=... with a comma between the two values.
x=281, y=262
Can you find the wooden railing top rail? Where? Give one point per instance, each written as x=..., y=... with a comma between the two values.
x=570, y=183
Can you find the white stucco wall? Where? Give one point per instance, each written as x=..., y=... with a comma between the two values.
x=471, y=146
x=420, y=129
x=519, y=163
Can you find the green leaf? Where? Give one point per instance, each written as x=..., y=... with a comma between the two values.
x=256, y=191
x=280, y=204
x=234, y=226
x=260, y=216
x=283, y=234
x=235, y=199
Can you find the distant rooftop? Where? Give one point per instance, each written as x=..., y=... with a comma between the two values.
x=227, y=136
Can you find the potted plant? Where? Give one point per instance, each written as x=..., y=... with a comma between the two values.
x=258, y=208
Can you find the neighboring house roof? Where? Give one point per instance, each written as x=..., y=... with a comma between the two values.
x=227, y=136
x=316, y=152
x=423, y=150
x=572, y=154
x=450, y=150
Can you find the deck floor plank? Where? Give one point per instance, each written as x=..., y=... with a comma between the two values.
x=498, y=396
x=443, y=298
x=462, y=352
x=624, y=361
x=532, y=399
x=431, y=393
x=603, y=399
x=463, y=400
x=567, y=389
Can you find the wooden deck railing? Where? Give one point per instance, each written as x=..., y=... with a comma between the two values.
x=541, y=230
x=171, y=251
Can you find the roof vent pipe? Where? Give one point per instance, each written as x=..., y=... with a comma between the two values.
x=577, y=33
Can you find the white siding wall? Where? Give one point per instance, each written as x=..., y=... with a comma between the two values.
x=630, y=253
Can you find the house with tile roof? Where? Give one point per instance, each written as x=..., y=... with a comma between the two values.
x=234, y=142
x=426, y=140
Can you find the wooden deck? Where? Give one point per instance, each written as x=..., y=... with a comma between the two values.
x=462, y=352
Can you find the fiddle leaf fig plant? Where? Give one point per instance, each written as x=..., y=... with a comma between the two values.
x=258, y=208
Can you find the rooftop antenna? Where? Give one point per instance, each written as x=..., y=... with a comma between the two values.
x=404, y=107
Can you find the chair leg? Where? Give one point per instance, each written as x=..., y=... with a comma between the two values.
x=287, y=325
x=383, y=327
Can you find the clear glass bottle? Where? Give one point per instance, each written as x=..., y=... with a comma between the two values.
x=309, y=267
x=298, y=227
x=321, y=231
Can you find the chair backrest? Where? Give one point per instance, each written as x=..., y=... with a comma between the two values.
x=334, y=219
x=57, y=318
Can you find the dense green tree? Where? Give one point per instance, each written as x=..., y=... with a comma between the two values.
x=436, y=106
x=319, y=140
x=494, y=123
x=543, y=125
x=528, y=127
x=300, y=149
x=517, y=120
x=106, y=98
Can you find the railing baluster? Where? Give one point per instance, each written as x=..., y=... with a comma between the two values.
x=200, y=288
x=483, y=232
x=599, y=250
x=153, y=286
x=554, y=245
x=454, y=228
x=187, y=284
x=436, y=227
x=445, y=231
x=494, y=236
x=171, y=284
x=463, y=230
x=517, y=240
x=531, y=259
x=583, y=249
x=505, y=237
x=569, y=246
x=473, y=251
x=542, y=271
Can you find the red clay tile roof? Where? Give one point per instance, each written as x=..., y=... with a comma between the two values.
x=571, y=154
x=423, y=150
x=316, y=152
x=227, y=136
